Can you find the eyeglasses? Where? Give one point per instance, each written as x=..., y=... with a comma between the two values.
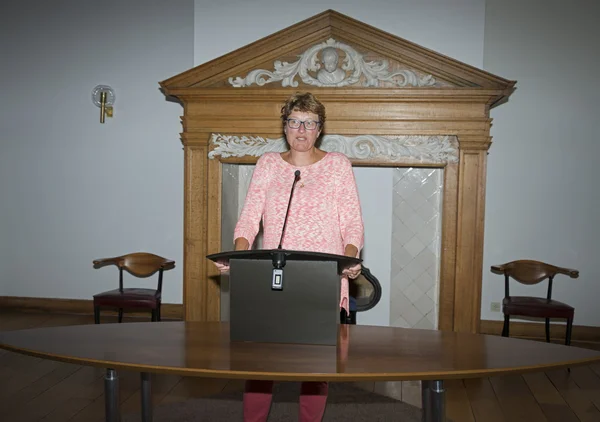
x=308, y=124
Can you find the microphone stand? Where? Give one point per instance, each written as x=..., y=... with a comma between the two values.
x=279, y=255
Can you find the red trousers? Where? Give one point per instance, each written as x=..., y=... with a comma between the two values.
x=258, y=395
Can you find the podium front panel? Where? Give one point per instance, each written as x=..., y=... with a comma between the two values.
x=305, y=311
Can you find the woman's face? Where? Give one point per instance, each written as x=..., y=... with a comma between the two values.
x=302, y=140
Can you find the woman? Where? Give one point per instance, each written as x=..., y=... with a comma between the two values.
x=324, y=216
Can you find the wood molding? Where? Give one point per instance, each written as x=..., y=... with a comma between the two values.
x=79, y=306
x=331, y=24
x=535, y=330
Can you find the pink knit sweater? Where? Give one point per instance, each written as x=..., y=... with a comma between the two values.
x=325, y=213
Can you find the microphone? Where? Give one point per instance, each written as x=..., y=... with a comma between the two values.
x=296, y=178
x=279, y=256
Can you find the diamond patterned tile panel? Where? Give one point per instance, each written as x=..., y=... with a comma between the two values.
x=414, y=246
x=434, y=271
x=415, y=221
x=428, y=213
x=431, y=318
x=424, y=324
x=400, y=282
x=428, y=232
x=412, y=315
x=401, y=257
x=433, y=293
x=401, y=232
x=416, y=231
x=414, y=269
x=424, y=304
x=413, y=293
x=425, y=281
x=400, y=322
x=400, y=298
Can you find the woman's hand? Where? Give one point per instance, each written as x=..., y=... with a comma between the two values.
x=222, y=266
x=240, y=244
x=352, y=272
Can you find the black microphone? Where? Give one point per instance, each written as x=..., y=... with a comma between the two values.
x=279, y=256
x=296, y=178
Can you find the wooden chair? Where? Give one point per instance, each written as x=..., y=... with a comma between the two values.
x=140, y=265
x=533, y=272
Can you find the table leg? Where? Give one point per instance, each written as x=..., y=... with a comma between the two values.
x=146, y=397
x=433, y=401
x=111, y=396
x=425, y=398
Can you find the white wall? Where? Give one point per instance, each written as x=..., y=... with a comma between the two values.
x=542, y=199
x=376, y=205
x=452, y=28
x=73, y=189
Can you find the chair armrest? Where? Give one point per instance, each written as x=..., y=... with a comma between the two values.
x=568, y=271
x=498, y=269
x=168, y=265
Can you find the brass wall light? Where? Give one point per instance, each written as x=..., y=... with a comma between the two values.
x=103, y=96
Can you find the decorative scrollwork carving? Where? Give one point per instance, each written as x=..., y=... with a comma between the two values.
x=353, y=69
x=414, y=149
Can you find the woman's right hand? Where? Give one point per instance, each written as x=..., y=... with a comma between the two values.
x=222, y=266
x=241, y=244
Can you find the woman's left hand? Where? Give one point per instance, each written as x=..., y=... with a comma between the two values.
x=352, y=272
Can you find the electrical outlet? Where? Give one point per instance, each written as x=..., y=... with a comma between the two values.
x=495, y=307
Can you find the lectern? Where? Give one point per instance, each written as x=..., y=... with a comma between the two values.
x=284, y=296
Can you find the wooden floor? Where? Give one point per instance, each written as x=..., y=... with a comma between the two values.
x=33, y=389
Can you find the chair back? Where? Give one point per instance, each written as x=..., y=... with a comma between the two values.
x=143, y=265
x=531, y=272
x=138, y=264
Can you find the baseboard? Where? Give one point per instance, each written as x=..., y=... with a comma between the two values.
x=175, y=311
x=79, y=306
x=537, y=330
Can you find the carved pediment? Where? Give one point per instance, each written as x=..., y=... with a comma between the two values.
x=331, y=50
x=336, y=64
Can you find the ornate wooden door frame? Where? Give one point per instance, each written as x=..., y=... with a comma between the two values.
x=231, y=110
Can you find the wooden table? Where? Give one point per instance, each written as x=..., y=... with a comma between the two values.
x=363, y=353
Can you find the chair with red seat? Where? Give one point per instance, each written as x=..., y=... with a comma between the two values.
x=141, y=265
x=533, y=272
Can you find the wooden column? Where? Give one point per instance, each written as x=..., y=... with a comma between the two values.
x=194, y=227
x=469, y=232
x=448, y=249
x=202, y=229
x=213, y=240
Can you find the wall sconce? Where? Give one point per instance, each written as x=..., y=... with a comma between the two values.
x=103, y=96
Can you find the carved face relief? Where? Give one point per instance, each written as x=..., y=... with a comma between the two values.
x=302, y=140
x=330, y=59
